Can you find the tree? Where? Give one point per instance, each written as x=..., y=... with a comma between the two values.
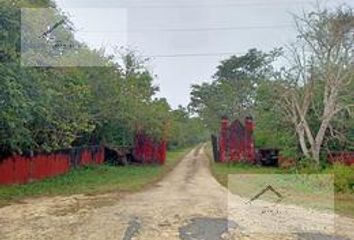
x=185, y=130
x=233, y=91
x=318, y=84
x=48, y=107
x=272, y=130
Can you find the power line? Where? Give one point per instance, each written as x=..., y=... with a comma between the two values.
x=196, y=54
x=135, y=5
x=231, y=5
x=196, y=29
x=225, y=28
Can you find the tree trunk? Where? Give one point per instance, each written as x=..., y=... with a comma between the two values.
x=316, y=153
x=315, y=149
x=301, y=135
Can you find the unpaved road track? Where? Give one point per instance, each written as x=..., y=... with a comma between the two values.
x=187, y=204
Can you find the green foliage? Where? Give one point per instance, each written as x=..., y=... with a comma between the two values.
x=42, y=108
x=186, y=130
x=271, y=130
x=318, y=82
x=49, y=108
x=245, y=85
x=248, y=85
x=343, y=178
x=233, y=90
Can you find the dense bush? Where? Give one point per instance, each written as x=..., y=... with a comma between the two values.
x=48, y=108
x=343, y=178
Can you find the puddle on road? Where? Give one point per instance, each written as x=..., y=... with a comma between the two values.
x=133, y=229
x=205, y=228
x=319, y=236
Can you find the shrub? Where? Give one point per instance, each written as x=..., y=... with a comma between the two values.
x=343, y=178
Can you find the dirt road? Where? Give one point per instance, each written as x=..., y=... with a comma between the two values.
x=187, y=204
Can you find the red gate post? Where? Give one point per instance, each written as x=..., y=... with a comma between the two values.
x=249, y=140
x=223, y=138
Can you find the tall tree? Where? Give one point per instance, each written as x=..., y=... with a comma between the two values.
x=49, y=107
x=233, y=90
x=320, y=79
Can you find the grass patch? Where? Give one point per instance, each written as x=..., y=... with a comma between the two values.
x=94, y=180
x=343, y=181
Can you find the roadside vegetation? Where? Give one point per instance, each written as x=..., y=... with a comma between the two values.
x=305, y=108
x=94, y=180
x=49, y=107
x=343, y=182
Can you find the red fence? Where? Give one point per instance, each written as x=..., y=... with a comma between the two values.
x=23, y=169
x=346, y=158
x=148, y=151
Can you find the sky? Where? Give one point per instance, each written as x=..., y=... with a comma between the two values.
x=186, y=40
